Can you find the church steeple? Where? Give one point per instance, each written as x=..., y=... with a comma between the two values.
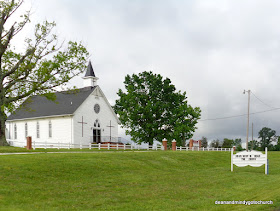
x=90, y=79
x=90, y=71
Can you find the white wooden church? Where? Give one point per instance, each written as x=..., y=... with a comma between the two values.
x=76, y=117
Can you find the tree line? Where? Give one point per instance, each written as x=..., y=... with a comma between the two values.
x=266, y=137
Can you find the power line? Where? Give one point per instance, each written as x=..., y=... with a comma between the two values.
x=262, y=101
x=240, y=115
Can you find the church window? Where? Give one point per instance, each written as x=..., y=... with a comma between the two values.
x=96, y=123
x=15, y=131
x=38, y=130
x=96, y=132
x=97, y=108
x=26, y=129
x=50, y=129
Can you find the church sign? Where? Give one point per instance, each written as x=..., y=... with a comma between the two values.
x=249, y=158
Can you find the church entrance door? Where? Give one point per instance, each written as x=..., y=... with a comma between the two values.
x=96, y=136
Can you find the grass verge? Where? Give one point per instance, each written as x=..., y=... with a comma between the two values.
x=157, y=180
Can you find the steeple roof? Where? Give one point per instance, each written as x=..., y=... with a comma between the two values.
x=90, y=71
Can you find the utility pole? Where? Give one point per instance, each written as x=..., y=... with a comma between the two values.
x=252, y=131
x=249, y=91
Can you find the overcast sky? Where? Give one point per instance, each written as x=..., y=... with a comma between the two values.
x=213, y=50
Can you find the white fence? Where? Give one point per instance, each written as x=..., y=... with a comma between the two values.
x=116, y=146
x=202, y=149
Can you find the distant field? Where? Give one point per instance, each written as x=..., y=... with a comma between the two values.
x=155, y=180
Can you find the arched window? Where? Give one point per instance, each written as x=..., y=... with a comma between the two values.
x=96, y=132
x=38, y=129
x=26, y=129
x=96, y=123
x=15, y=131
x=50, y=129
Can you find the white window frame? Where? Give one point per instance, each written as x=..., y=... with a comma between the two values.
x=37, y=130
x=15, y=131
x=26, y=129
x=50, y=129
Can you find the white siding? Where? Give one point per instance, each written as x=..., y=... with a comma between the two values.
x=86, y=110
x=66, y=129
x=61, y=130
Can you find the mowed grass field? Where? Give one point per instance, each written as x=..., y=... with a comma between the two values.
x=156, y=180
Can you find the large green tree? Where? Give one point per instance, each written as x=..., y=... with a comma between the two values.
x=266, y=136
x=151, y=109
x=42, y=66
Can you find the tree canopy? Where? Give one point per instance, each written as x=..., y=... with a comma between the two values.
x=42, y=66
x=266, y=136
x=151, y=109
x=204, y=142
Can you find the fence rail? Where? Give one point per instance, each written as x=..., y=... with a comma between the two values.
x=202, y=149
x=108, y=146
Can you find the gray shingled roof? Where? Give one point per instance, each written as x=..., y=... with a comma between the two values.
x=90, y=71
x=66, y=102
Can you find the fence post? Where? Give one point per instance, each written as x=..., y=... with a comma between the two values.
x=124, y=147
x=180, y=148
x=108, y=146
x=203, y=148
x=28, y=142
x=192, y=148
x=174, y=145
x=117, y=146
x=89, y=145
x=164, y=143
x=69, y=146
x=131, y=147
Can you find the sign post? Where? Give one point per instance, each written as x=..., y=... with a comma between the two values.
x=249, y=158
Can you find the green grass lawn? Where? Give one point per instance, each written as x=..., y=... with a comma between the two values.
x=155, y=180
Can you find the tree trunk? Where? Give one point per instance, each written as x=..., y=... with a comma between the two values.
x=3, y=118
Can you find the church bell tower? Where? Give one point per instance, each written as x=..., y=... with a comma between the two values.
x=90, y=79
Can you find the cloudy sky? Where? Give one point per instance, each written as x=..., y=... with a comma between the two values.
x=213, y=50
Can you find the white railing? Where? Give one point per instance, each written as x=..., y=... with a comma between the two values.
x=202, y=149
x=108, y=146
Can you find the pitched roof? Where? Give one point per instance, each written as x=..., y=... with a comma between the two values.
x=90, y=71
x=66, y=103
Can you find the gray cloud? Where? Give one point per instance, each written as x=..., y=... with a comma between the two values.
x=213, y=50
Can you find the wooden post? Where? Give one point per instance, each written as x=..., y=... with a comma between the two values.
x=174, y=145
x=234, y=148
x=29, y=142
x=164, y=143
x=191, y=143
